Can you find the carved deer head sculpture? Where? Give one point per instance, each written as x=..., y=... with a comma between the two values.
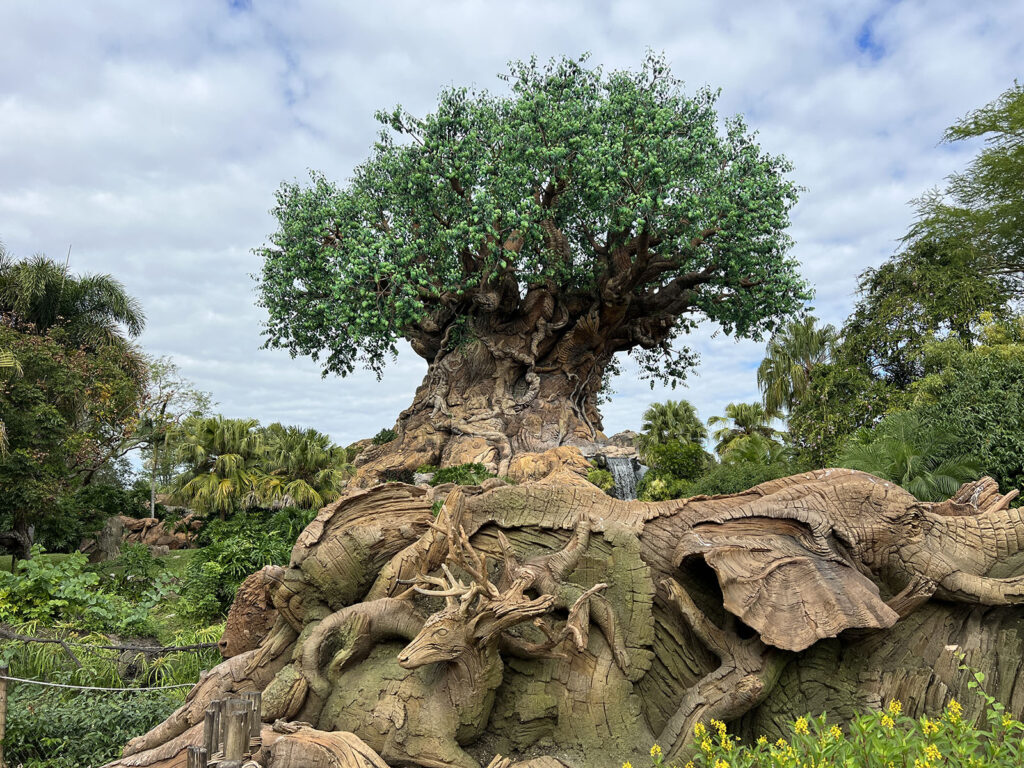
x=474, y=616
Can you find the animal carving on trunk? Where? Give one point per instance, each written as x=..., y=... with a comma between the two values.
x=455, y=659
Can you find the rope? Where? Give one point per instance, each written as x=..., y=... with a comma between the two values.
x=9, y=634
x=94, y=688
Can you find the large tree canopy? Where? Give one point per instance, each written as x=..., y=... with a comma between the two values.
x=609, y=195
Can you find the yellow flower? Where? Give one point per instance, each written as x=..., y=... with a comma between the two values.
x=887, y=721
x=721, y=764
x=700, y=731
x=929, y=727
x=1007, y=721
x=835, y=732
x=895, y=707
x=689, y=764
x=627, y=764
x=655, y=751
x=719, y=725
x=932, y=752
x=781, y=743
x=707, y=746
x=762, y=740
x=954, y=711
x=800, y=726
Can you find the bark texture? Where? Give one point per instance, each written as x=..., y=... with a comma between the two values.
x=548, y=624
x=526, y=390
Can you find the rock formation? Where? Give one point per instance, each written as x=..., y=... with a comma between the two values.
x=550, y=624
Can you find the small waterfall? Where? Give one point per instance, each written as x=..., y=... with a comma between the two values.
x=626, y=472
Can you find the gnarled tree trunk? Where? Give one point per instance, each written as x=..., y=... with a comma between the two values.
x=501, y=384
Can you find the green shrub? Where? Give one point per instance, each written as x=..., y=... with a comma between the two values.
x=461, y=474
x=603, y=479
x=885, y=738
x=214, y=573
x=48, y=728
x=656, y=485
x=135, y=569
x=735, y=478
x=386, y=435
x=61, y=590
x=685, y=461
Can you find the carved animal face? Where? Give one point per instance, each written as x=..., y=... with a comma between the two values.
x=445, y=636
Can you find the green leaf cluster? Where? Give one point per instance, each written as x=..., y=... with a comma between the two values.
x=55, y=590
x=235, y=464
x=982, y=208
x=461, y=474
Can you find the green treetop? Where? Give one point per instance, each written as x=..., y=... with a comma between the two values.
x=614, y=193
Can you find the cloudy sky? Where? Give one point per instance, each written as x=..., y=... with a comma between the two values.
x=150, y=137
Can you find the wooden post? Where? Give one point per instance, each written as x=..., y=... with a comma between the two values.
x=236, y=734
x=3, y=713
x=197, y=757
x=255, y=699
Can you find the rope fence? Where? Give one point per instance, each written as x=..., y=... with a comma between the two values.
x=6, y=633
x=93, y=687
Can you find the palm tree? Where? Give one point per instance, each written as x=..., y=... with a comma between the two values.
x=755, y=449
x=668, y=421
x=38, y=294
x=222, y=457
x=302, y=468
x=8, y=367
x=785, y=373
x=906, y=451
x=741, y=420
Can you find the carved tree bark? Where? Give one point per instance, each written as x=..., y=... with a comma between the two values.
x=807, y=593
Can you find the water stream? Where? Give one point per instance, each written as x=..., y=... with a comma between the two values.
x=626, y=472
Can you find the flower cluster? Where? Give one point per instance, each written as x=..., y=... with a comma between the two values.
x=886, y=738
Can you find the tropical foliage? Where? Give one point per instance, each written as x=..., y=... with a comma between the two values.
x=742, y=420
x=673, y=420
x=37, y=295
x=234, y=464
x=793, y=353
x=982, y=207
x=912, y=453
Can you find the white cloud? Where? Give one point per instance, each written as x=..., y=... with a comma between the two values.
x=152, y=138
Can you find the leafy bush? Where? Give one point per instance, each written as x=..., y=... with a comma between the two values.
x=48, y=728
x=461, y=474
x=62, y=590
x=738, y=477
x=386, y=435
x=134, y=569
x=681, y=460
x=916, y=454
x=885, y=738
x=603, y=479
x=662, y=486
x=214, y=573
x=674, y=465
